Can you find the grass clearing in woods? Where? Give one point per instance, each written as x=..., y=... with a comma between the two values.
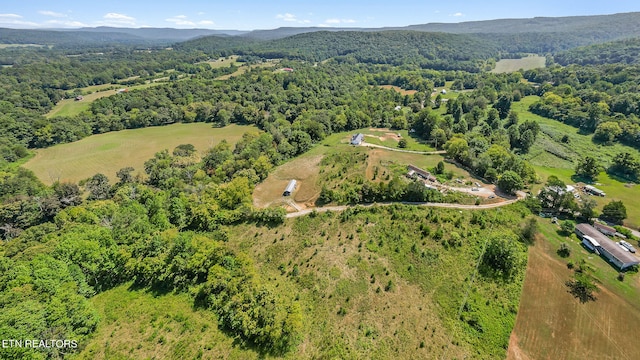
x=107, y=153
x=525, y=63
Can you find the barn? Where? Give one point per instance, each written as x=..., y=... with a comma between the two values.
x=606, y=247
x=607, y=230
x=289, y=189
x=413, y=171
x=357, y=139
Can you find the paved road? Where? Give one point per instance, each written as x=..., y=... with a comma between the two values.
x=521, y=196
x=364, y=143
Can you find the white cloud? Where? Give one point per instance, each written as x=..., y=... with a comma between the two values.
x=336, y=21
x=52, y=13
x=180, y=20
x=292, y=18
x=201, y=13
x=14, y=20
x=287, y=17
x=66, y=23
x=115, y=19
x=206, y=22
x=10, y=16
x=458, y=14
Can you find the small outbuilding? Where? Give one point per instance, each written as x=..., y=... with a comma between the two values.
x=357, y=139
x=289, y=189
x=594, y=190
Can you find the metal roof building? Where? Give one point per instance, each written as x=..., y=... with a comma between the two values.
x=357, y=139
x=607, y=247
x=289, y=189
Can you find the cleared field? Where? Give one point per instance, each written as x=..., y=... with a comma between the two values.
x=137, y=324
x=399, y=89
x=71, y=107
x=551, y=324
x=306, y=169
x=550, y=156
x=550, y=151
x=223, y=62
x=345, y=264
x=616, y=190
x=107, y=153
x=390, y=138
x=526, y=63
x=244, y=68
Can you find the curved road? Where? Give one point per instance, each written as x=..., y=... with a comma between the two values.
x=364, y=143
x=521, y=195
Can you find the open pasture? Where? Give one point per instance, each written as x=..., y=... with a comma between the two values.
x=525, y=63
x=243, y=68
x=551, y=156
x=399, y=89
x=108, y=153
x=71, y=107
x=390, y=138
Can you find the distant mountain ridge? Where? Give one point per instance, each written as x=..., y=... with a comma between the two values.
x=589, y=29
x=619, y=23
x=165, y=33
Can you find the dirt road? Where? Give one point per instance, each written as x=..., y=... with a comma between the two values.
x=521, y=195
x=364, y=143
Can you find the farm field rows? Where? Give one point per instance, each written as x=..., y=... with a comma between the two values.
x=107, y=153
x=552, y=324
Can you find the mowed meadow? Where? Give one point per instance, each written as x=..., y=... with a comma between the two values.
x=525, y=63
x=110, y=152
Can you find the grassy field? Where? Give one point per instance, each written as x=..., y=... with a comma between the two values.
x=138, y=324
x=399, y=89
x=390, y=138
x=107, y=153
x=368, y=295
x=550, y=156
x=551, y=324
x=71, y=107
x=526, y=63
x=244, y=68
x=223, y=62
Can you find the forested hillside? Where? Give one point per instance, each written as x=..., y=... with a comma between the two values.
x=377, y=281
x=623, y=51
x=428, y=50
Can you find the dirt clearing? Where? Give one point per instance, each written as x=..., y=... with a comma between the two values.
x=304, y=170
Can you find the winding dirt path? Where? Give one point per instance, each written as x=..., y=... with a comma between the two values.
x=521, y=195
x=364, y=143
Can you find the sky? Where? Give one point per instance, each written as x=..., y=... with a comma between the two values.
x=257, y=14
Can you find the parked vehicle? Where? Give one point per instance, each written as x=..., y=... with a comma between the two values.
x=627, y=246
